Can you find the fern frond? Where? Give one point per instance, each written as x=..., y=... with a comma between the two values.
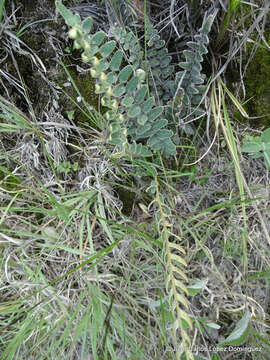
x=154, y=60
x=130, y=44
x=132, y=113
x=158, y=62
x=189, y=85
x=176, y=289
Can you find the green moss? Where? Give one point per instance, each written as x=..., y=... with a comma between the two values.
x=257, y=77
x=86, y=89
x=83, y=85
x=257, y=83
x=127, y=197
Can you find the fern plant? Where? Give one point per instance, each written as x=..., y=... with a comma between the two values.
x=132, y=114
x=138, y=88
x=154, y=60
x=158, y=63
x=138, y=126
x=189, y=85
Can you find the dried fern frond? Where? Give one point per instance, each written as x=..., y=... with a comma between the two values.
x=175, y=284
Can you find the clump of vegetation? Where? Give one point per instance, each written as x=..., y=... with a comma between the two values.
x=258, y=146
x=257, y=83
x=133, y=113
x=141, y=233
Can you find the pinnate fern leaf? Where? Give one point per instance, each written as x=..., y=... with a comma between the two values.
x=132, y=113
x=189, y=81
x=176, y=279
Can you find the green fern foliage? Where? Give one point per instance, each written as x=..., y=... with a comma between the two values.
x=131, y=82
x=135, y=122
x=130, y=45
x=154, y=60
x=189, y=84
x=158, y=63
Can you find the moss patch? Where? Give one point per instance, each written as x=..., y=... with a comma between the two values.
x=82, y=85
x=257, y=84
